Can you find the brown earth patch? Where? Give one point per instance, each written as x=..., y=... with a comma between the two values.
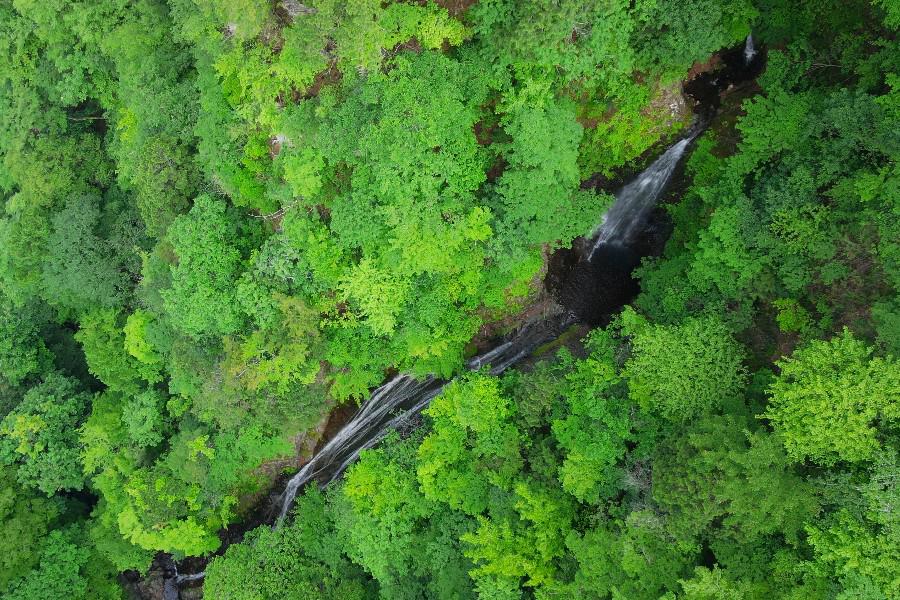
x=456, y=8
x=329, y=76
x=536, y=303
x=714, y=62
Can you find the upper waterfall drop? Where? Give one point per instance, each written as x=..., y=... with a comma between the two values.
x=625, y=217
x=749, y=50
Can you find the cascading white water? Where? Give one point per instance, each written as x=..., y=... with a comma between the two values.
x=625, y=217
x=401, y=398
x=405, y=396
x=749, y=50
x=370, y=423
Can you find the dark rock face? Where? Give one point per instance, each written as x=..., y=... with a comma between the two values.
x=708, y=87
x=593, y=289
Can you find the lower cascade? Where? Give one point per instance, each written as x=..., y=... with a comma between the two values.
x=403, y=397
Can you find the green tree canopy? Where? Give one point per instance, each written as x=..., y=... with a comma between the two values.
x=202, y=298
x=833, y=400
x=684, y=370
x=40, y=435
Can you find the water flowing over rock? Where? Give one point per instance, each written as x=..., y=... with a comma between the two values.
x=395, y=405
x=624, y=218
x=396, y=402
x=749, y=50
x=404, y=396
x=294, y=9
x=602, y=280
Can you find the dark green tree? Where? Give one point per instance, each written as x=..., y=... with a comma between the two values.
x=40, y=436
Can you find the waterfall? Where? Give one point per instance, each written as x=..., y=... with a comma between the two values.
x=749, y=50
x=371, y=422
x=624, y=218
x=403, y=397
x=399, y=400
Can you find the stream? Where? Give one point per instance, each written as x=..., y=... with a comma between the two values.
x=588, y=282
x=399, y=400
x=404, y=396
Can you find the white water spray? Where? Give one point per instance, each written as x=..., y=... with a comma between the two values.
x=625, y=217
x=403, y=397
x=749, y=50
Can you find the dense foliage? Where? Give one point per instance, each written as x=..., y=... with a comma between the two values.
x=222, y=218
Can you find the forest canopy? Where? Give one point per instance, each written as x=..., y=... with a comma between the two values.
x=223, y=219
